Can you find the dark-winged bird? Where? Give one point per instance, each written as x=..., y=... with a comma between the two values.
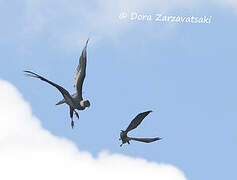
x=134, y=123
x=74, y=101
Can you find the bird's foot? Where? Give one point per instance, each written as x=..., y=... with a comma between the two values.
x=121, y=145
x=72, y=124
x=76, y=115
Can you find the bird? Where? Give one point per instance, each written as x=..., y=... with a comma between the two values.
x=74, y=101
x=133, y=124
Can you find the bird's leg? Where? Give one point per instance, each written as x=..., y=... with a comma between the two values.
x=121, y=145
x=71, y=115
x=72, y=123
x=76, y=114
x=128, y=142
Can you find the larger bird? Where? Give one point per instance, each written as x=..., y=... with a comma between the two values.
x=134, y=123
x=74, y=101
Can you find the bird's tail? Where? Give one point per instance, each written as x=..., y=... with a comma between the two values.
x=61, y=102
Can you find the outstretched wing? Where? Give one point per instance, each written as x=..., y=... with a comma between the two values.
x=80, y=73
x=146, y=140
x=63, y=91
x=137, y=120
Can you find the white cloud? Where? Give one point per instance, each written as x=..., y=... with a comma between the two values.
x=229, y=3
x=68, y=24
x=27, y=151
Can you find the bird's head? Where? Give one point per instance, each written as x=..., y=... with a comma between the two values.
x=85, y=103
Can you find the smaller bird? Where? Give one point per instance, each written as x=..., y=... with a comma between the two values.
x=134, y=123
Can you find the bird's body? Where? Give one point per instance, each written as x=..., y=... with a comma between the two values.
x=74, y=101
x=77, y=102
x=124, y=137
x=134, y=123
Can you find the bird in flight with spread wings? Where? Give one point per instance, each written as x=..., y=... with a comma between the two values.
x=74, y=101
x=134, y=123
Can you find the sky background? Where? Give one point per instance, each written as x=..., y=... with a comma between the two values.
x=184, y=72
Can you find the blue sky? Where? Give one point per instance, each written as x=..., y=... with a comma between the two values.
x=185, y=73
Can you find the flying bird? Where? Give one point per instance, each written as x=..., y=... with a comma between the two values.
x=74, y=101
x=134, y=123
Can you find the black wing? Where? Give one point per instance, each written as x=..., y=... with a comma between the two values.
x=137, y=120
x=80, y=73
x=146, y=140
x=63, y=91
